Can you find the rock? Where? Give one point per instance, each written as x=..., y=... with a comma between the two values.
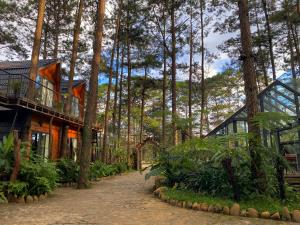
x=12, y=198
x=204, y=207
x=211, y=208
x=218, y=208
x=265, y=215
x=226, y=210
x=29, y=199
x=286, y=214
x=159, y=181
x=296, y=216
x=195, y=206
x=42, y=197
x=252, y=213
x=189, y=205
x=160, y=190
x=183, y=204
x=46, y=195
x=20, y=200
x=235, y=209
x=275, y=216
x=35, y=199
x=173, y=202
x=244, y=213
x=179, y=204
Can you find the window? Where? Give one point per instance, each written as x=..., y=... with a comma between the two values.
x=46, y=91
x=40, y=144
x=73, y=146
x=75, y=106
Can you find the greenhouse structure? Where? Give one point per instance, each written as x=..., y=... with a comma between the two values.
x=282, y=96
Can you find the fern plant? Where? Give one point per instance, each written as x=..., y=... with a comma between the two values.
x=6, y=157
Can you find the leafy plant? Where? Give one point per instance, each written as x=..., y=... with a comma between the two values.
x=3, y=198
x=40, y=175
x=6, y=157
x=67, y=170
x=18, y=188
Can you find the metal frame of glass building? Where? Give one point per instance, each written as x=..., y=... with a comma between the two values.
x=283, y=95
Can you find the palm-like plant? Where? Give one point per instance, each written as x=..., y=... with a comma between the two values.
x=6, y=157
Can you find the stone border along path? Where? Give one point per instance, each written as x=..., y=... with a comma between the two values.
x=122, y=200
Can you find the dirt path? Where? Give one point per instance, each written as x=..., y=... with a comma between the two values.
x=124, y=200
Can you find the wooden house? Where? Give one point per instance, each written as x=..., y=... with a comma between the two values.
x=40, y=115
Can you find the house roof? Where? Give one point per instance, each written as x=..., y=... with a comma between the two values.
x=64, y=84
x=279, y=96
x=22, y=67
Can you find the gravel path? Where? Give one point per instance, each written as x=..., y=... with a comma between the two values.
x=123, y=200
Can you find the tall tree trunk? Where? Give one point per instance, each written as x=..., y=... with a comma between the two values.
x=37, y=43
x=120, y=97
x=128, y=41
x=191, y=73
x=270, y=38
x=291, y=49
x=174, y=95
x=26, y=132
x=164, y=83
x=260, y=55
x=251, y=92
x=143, y=106
x=46, y=31
x=64, y=143
x=202, y=69
x=57, y=7
x=107, y=104
x=90, y=114
x=296, y=43
x=116, y=95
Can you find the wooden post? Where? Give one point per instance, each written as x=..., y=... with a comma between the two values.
x=50, y=138
x=17, y=156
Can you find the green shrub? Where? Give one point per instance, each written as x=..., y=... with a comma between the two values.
x=213, y=166
x=18, y=188
x=67, y=170
x=121, y=167
x=99, y=169
x=40, y=175
x=3, y=198
x=6, y=157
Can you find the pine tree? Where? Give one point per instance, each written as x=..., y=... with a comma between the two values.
x=90, y=114
x=251, y=96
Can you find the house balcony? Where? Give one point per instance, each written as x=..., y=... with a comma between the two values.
x=21, y=91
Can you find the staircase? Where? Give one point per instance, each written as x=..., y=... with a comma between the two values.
x=293, y=180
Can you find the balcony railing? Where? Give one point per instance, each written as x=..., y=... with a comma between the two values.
x=18, y=86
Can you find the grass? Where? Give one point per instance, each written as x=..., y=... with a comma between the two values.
x=260, y=203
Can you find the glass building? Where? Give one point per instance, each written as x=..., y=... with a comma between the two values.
x=283, y=96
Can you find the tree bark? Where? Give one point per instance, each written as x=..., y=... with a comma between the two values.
x=173, y=56
x=202, y=69
x=143, y=106
x=191, y=74
x=120, y=98
x=116, y=95
x=251, y=92
x=270, y=38
x=164, y=83
x=260, y=59
x=64, y=142
x=107, y=104
x=128, y=41
x=36, y=47
x=90, y=114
